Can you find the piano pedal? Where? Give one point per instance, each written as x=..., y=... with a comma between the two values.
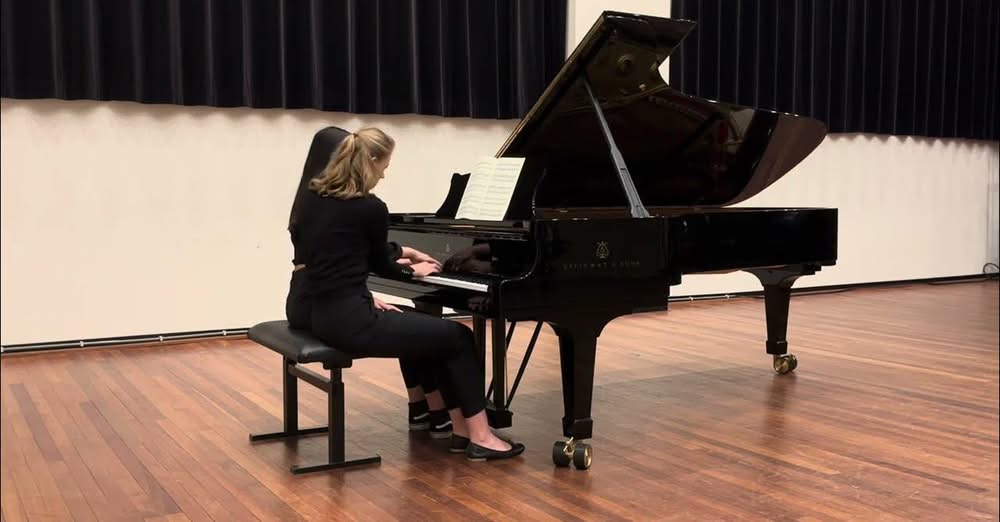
x=580, y=453
x=785, y=363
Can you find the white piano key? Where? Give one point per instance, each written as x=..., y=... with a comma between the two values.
x=455, y=283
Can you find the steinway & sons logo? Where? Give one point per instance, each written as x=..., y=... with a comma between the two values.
x=602, y=252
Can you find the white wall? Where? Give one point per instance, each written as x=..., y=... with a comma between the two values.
x=124, y=219
x=581, y=14
x=909, y=208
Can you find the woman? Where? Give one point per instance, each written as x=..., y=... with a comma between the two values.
x=421, y=386
x=339, y=231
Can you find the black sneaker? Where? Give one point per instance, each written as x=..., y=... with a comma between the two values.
x=440, y=424
x=420, y=416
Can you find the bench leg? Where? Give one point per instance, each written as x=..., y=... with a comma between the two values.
x=336, y=457
x=334, y=388
x=290, y=399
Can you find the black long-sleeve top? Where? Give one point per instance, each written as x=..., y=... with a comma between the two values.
x=341, y=241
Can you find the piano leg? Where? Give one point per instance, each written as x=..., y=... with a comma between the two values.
x=496, y=409
x=777, y=295
x=576, y=360
x=577, y=353
x=479, y=333
x=497, y=413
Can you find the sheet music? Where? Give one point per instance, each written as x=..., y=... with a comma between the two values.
x=490, y=187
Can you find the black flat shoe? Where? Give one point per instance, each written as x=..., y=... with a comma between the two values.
x=477, y=453
x=459, y=443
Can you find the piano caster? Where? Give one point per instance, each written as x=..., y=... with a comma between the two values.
x=579, y=453
x=785, y=363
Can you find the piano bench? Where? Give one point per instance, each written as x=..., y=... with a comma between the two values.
x=298, y=348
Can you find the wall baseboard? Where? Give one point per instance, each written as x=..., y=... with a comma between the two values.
x=826, y=289
x=131, y=340
x=181, y=337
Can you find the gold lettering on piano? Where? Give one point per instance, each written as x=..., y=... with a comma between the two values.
x=602, y=265
x=604, y=261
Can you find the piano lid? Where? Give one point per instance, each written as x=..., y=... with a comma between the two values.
x=681, y=150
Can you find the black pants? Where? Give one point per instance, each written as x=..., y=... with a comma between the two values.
x=434, y=353
x=298, y=310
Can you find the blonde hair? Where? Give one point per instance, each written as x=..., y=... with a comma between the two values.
x=351, y=170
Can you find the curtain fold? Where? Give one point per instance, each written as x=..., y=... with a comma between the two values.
x=903, y=67
x=477, y=58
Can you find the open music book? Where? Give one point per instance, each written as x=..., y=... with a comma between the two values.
x=488, y=193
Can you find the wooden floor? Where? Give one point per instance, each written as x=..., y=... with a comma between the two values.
x=892, y=415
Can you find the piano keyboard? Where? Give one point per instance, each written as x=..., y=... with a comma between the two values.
x=455, y=282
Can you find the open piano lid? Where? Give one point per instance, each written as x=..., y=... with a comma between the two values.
x=680, y=150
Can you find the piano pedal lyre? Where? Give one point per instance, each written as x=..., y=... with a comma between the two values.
x=785, y=363
x=564, y=452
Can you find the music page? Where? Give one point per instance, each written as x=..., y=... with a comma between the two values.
x=490, y=188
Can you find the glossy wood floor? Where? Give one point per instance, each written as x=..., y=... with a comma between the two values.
x=892, y=415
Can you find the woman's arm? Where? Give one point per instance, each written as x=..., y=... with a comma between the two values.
x=382, y=261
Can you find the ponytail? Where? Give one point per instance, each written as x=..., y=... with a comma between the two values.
x=351, y=170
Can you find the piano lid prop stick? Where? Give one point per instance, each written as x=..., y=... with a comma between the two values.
x=635, y=204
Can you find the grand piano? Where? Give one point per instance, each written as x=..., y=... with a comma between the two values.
x=627, y=185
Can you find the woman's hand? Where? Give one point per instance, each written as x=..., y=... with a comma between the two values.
x=425, y=268
x=384, y=306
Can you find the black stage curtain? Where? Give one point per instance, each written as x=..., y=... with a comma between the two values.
x=478, y=58
x=903, y=67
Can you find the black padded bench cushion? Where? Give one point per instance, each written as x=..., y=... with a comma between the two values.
x=297, y=345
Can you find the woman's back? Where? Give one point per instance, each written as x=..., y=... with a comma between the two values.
x=334, y=238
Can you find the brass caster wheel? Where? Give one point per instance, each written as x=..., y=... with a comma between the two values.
x=582, y=456
x=785, y=363
x=562, y=453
